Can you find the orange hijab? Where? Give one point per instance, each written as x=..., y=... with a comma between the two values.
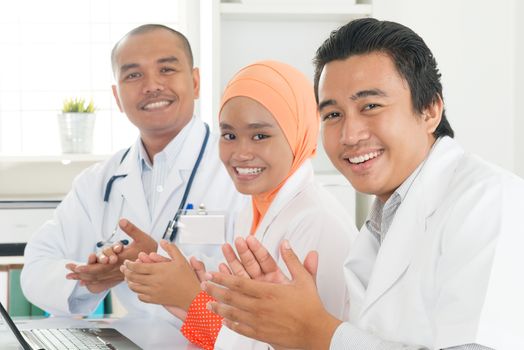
x=288, y=95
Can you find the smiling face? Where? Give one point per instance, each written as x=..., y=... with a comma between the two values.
x=156, y=85
x=370, y=129
x=253, y=147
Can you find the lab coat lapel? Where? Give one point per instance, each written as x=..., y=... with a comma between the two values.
x=409, y=225
x=293, y=186
x=181, y=170
x=358, y=268
x=395, y=254
x=131, y=188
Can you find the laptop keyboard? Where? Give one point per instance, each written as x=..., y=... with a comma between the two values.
x=64, y=339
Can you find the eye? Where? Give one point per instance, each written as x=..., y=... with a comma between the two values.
x=259, y=137
x=329, y=116
x=166, y=70
x=370, y=106
x=228, y=136
x=132, y=76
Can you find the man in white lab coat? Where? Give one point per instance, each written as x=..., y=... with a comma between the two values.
x=437, y=264
x=173, y=163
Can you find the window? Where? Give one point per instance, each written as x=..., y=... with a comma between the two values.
x=56, y=49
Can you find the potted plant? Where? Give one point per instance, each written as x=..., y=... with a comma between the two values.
x=76, y=123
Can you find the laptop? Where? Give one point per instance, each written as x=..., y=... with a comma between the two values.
x=68, y=338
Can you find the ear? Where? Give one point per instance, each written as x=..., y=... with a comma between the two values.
x=196, y=83
x=117, y=99
x=432, y=114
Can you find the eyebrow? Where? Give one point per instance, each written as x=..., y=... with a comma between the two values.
x=354, y=97
x=169, y=59
x=366, y=93
x=128, y=66
x=226, y=126
x=326, y=103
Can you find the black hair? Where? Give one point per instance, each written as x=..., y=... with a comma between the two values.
x=410, y=54
x=146, y=28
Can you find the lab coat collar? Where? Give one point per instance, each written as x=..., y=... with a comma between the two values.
x=181, y=170
x=387, y=264
x=131, y=186
x=294, y=185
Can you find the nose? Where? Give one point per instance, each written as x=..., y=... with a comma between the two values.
x=354, y=130
x=153, y=83
x=243, y=152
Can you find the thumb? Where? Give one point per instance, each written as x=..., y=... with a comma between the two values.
x=291, y=260
x=172, y=250
x=311, y=264
x=131, y=230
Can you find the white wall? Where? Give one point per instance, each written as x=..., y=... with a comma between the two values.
x=473, y=42
x=291, y=41
x=518, y=14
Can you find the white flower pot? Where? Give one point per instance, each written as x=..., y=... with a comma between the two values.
x=76, y=132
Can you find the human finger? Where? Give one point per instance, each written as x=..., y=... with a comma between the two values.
x=71, y=266
x=155, y=257
x=92, y=259
x=261, y=254
x=311, y=264
x=73, y=276
x=144, y=258
x=238, y=284
x=172, y=250
x=93, y=269
x=235, y=265
x=224, y=269
x=248, y=260
x=131, y=276
x=295, y=267
x=118, y=247
x=139, y=267
x=199, y=268
x=131, y=230
x=228, y=296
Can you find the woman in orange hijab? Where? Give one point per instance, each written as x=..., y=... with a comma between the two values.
x=269, y=130
x=269, y=126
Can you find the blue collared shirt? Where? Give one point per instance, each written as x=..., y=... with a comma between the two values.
x=154, y=174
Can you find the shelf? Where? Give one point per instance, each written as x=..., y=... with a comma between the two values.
x=343, y=10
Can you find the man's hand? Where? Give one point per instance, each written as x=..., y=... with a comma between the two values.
x=289, y=315
x=98, y=277
x=95, y=277
x=117, y=253
x=169, y=283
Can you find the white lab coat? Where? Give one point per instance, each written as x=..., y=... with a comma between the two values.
x=309, y=217
x=449, y=271
x=76, y=228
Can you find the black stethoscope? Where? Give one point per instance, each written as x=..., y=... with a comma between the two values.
x=172, y=228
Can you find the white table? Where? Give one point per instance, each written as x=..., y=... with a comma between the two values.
x=148, y=333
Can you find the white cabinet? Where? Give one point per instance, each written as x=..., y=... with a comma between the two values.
x=236, y=33
x=19, y=220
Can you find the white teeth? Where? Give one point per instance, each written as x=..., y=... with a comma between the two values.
x=364, y=157
x=155, y=105
x=248, y=171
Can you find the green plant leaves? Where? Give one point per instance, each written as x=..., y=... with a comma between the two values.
x=78, y=105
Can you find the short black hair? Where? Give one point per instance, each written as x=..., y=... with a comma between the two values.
x=146, y=28
x=412, y=58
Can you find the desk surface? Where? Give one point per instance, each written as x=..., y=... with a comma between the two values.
x=147, y=333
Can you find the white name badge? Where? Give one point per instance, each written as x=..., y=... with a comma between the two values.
x=207, y=228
